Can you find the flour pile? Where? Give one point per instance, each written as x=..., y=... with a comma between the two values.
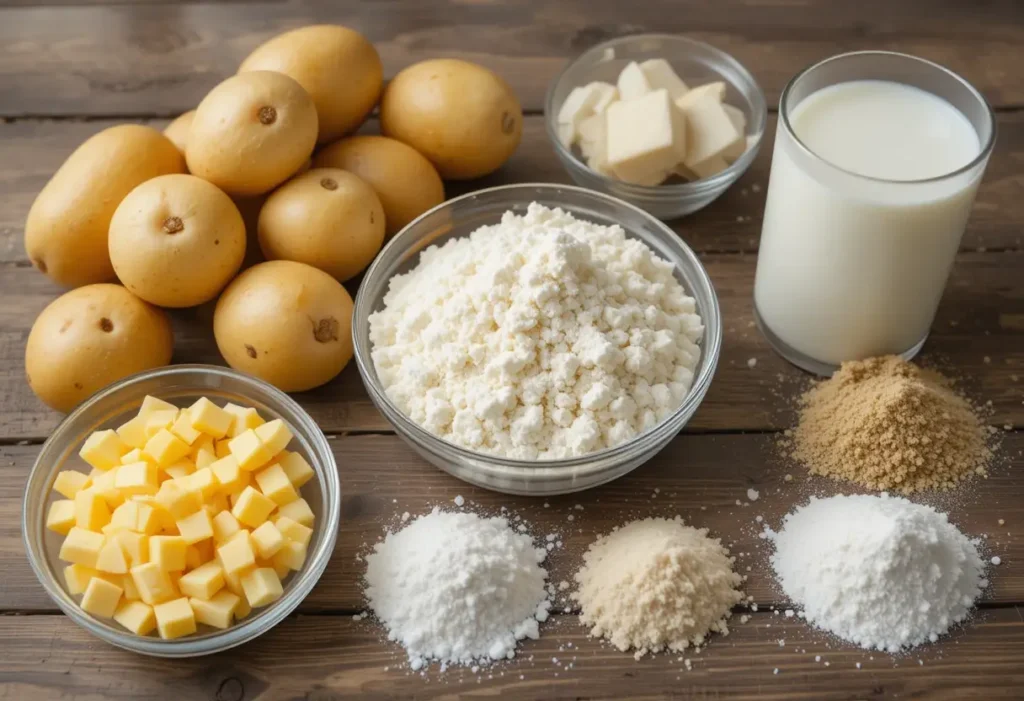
x=457, y=588
x=540, y=337
x=657, y=584
x=881, y=572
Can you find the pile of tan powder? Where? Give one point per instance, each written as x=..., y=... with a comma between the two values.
x=884, y=423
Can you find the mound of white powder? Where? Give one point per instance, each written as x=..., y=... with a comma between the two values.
x=540, y=337
x=879, y=571
x=457, y=588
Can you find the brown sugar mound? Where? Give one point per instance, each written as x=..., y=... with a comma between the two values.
x=887, y=424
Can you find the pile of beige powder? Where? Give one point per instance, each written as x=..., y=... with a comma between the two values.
x=886, y=424
x=656, y=584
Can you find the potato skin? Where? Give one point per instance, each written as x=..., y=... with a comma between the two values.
x=90, y=337
x=66, y=230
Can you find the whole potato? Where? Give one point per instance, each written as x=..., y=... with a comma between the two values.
x=66, y=230
x=177, y=131
x=90, y=337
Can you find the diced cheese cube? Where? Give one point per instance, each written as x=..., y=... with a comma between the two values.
x=175, y=619
x=151, y=518
x=222, y=448
x=299, y=512
x=202, y=582
x=249, y=450
x=274, y=435
x=210, y=418
x=166, y=448
x=293, y=530
x=183, y=429
x=203, y=482
x=739, y=120
x=133, y=432
x=252, y=508
x=125, y=516
x=91, y=510
x=296, y=467
x=218, y=611
x=167, y=552
x=151, y=404
x=291, y=555
x=237, y=554
x=710, y=135
x=235, y=494
x=709, y=91
x=646, y=138
x=153, y=583
x=177, y=471
x=101, y=597
x=606, y=95
x=660, y=76
x=135, y=546
x=245, y=418
x=77, y=578
x=204, y=442
x=225, y=526
x=177, y=501
x=61, y=516
x=267, y=540
x=135, y=455
x=262, y=586
x=131, y=592
x=281, y=570
x=242, y=608
x=136, y=617
x=159, y=420
x=111, y=558
x=205, y=457
x=633, y=82
x=137, y=478
x=70, y=482
x=275, y=485
x=229, y=474
x=103, y=484
x=233, y=580
x=103, y=449
x=217, y=503
x=195, y=527
x=206, y=549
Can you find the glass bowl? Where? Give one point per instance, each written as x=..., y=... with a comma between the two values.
x=696, y=63
x=460, y=217
x=180, y=385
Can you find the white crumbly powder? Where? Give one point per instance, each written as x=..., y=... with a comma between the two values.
x=457, y=588
x=540, y=337
x=879, y=571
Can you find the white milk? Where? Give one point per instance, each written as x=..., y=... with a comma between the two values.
x=851, y=267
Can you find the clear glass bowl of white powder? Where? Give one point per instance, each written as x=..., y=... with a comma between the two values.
x=462, y=216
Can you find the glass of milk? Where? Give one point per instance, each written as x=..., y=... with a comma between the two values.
x=877, y=159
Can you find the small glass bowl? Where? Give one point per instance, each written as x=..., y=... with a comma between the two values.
x=180, y=385
x=696, y=63
x=463, y=215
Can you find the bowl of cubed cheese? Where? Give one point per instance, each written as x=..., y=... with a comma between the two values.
x=182, y=511
x=661, y=121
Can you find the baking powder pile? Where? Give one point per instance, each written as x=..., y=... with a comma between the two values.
x=540, y=337
x=879, y=571
x=656, y=584
x=884, y=423
x=457, y=588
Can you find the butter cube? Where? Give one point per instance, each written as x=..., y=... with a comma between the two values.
x=203, y=482
x=275, y=485
x=660, y=76
x=222, y=448
x=77, y=578
x=274, y=435
x=91, y=510
x=594, y=140
x=252, y=508
x=242, y=608
x=262, y=586
x=298, y=511
x=210, y=418
x=137, y=478
x=182, y=468
x=237, y=554
x=296, y=467
x=70, y=482
x=606, y=95
x=167, y=552
x=739, y=120
x=202, y=582
x=245, y=418
x=133, y=432
x=292, y=530
x=159, y=420
x=103, y=449
x=249, y=450
x=633, y=82
x=131, y=592
x=712, y=166
x=136, y=617
x=177, y=501
x=646, y=138
x=225, y=526
x=151, y=404
x=135, y=546
x=101, y=597
x=578, y=105
x=710, y=91
x=111, y=558
x=166, y=448
x=61, y=516
x=218, y=611
x=103, y=484
x=267, y=540
x=292, y=556
x=710, y=134
x=183, y=429
x=175, y=619
x=229, y=474
x=153, y=583
x=195, y=527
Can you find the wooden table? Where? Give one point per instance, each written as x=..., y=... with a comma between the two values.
x=69, y=70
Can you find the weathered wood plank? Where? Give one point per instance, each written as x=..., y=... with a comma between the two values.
x=162, y=58
x=700, y=478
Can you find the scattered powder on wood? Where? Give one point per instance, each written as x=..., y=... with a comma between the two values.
x=886, y=424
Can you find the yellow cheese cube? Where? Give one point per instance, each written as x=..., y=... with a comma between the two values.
x=136, y=617
x=262, y=586
x=136, y=455
x=233, y=580
x=217, y=503
x=62, y=516
x=126, y=516
x=101, y=597
x=229, y=474
x=236, y=554
x=245, y=418
x=103, y=484
x=242, y=608
x=267, y=540
x=203, y=482
x=281, y=570
x=135, y=546
x=103, y=449
x=159, y=420
x=77, y=578
x=137, y=478
x=151, y=404
x=111, y=558
x=91, y=510
x=217, y=611
x=222, y=448
x=133, y=432
x=275, y=485
x=178, y=501
x=70, y=482
x=202, y=582
x=298, y=511
x=252, y=508
x=292, y=530
x=250, y=451
x=205, y=457
x=183, y=429
x=175, y=619
x=274, y=435
x=207, y=550
x=210, y=418
x=167, y=552
x=195, y=527
x=296, y=467
x=182, y=468
x=131, y=592
x=291, y=555
x=166, y=448
x=153, y=583
x=225, y=526
x=152, y=517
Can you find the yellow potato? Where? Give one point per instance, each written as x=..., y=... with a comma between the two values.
x=177, y=131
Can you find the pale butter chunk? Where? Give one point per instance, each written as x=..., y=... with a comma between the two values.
x=539, y=337
x=633, y=82
x=713, y=91
x=739, y=120
x=711, y=136
x=577, y=106
x=647, y=138
x=593, y=137
x=660, y=76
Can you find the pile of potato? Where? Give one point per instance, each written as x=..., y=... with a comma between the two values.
x=267, y=159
